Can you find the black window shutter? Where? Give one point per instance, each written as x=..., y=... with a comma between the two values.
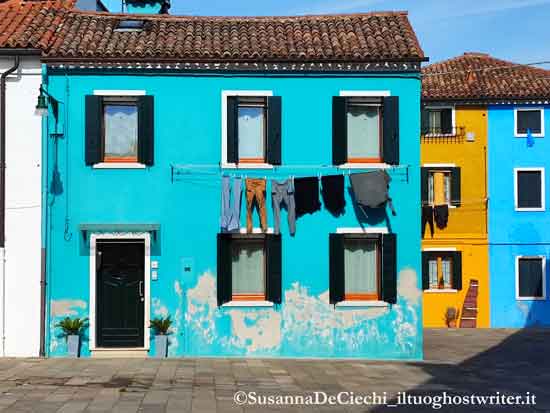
x=389, y=268
x=232, y=129
x=455, y=186
x=447, y=121
x=424, y=185
x=224, y=287
x=274, y=268
x=424, y=120
x=339, y=130
x=390, y=133
x=425, y=271
x=457, y=270
x=94, y=122
x=274, y=130
x=336, y=268
x=146, y=130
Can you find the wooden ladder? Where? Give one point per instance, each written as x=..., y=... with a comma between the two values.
x=468, y=317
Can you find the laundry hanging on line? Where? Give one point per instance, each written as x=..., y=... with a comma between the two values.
x=371, y=189
x=332, y=191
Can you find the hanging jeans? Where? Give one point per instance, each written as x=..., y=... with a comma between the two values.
x=231, y=213
x=283, y=192
x=427, y=218
x=255, y=191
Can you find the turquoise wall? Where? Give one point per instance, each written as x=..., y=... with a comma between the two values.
x=188, y=131
x=524, y=233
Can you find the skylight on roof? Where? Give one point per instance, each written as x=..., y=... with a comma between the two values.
x=129, y=26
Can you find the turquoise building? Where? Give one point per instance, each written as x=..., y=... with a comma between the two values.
x=153, y=114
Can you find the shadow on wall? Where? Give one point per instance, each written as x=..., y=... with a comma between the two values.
x=515, y=365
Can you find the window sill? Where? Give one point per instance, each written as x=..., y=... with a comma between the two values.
x=247, y=166
x=248, y=304
x=119, y=165
x=524, y=135
x=530, y=298
x=441, y=290
x=362, y=303
x=530, y=209
x=364, y=166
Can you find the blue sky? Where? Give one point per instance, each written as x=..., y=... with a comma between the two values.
x=515, y=30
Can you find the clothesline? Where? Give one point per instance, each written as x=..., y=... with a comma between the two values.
x=277, y=172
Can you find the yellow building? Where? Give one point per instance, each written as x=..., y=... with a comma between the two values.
x=454, y=195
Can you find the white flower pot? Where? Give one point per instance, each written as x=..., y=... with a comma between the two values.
x=73, y=345
x=161, y=346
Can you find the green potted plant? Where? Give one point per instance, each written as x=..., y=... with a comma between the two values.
x=451, y=315
x=72, y=329
x=161, y=328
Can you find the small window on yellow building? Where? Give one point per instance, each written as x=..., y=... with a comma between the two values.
x=441, y=270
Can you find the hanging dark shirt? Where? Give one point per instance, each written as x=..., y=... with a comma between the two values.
x=333, y=194
x=306, y=195
x=441, y=214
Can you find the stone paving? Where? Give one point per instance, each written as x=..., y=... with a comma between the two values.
x=460, y=362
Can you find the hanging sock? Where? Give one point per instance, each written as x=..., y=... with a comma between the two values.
x=333, y=194
x=255, y=191
x=283, y=192
x=306, y=195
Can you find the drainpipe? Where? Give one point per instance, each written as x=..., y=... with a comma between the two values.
x=3, y=79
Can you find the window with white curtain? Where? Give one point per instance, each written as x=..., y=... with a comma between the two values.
x=361, y=266
x=120, y=130
x=440, y=270
x=252, y=129
x=248, y=268
x=364, y=131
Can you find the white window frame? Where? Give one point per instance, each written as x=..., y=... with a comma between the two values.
x=146, y=237
x=245, y=93
x=360, y=230
x=441, y=165
x=119, y=165
x=543, y=258
x=251, y=303
x=440, y=290
x=524, y=135
x=542, y=189
x=453, y=121
x=364, y=94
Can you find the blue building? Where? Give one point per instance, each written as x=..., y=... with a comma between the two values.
x=519, y=226
x=151, y=116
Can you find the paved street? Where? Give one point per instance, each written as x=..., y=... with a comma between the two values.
x=511, y=362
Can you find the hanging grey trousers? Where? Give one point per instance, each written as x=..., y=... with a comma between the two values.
x=231, y=212
x=283, y=192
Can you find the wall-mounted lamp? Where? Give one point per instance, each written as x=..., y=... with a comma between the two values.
x=42, y=104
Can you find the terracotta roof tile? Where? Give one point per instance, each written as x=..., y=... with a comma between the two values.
x=62, y=32
x=30, y=24
x=478, y=76
x=349, y=38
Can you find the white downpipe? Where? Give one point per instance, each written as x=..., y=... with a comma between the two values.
x=3, y=258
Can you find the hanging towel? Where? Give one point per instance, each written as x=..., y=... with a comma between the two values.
x=371, y=189
x=333, y=194
x=306, y=195
x=427, y=218
x=441, y=214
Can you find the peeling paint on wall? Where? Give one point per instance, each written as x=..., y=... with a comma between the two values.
x=66, y=308
x=201, y=307
x=254, y=331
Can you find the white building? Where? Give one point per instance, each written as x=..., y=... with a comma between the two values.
x=20, y=259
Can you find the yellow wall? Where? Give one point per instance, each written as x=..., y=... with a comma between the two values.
x=467, y=226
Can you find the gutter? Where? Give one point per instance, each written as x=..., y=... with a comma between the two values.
x=3, y=79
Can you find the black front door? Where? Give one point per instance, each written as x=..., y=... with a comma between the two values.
x=120, y=292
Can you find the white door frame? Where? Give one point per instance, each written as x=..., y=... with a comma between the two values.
x=146, y=237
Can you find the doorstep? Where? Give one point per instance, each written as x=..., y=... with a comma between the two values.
x=119, y=353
